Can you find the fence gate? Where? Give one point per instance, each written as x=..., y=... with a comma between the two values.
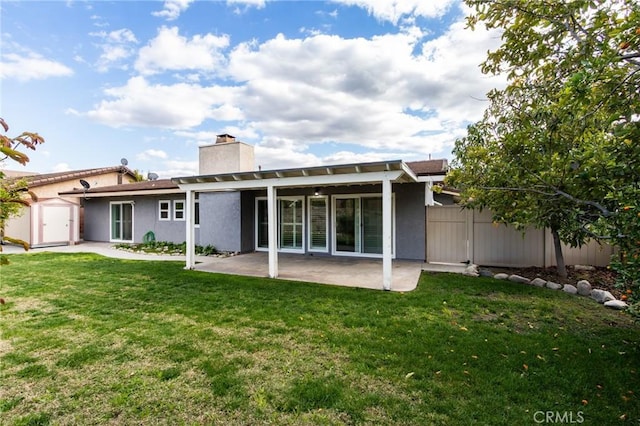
x=447, y=234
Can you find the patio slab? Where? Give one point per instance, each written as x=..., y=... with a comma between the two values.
x=343, y=271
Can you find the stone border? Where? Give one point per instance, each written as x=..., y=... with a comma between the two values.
x=582, y=287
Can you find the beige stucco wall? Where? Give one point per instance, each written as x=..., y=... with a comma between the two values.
x=52, y=190
x=226, y=157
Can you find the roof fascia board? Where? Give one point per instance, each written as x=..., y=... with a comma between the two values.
x=431, y=178
x=335, y=179
x=123, y=193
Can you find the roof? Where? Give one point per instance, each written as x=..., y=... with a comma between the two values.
x=429, y=167
x=49, y=178
x=160, y=186
x=304, y=172
x=408, y=173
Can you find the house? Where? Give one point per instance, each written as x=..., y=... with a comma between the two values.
x=366, y=210
x=54, y=219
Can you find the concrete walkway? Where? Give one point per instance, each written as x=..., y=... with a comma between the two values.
x=343, y=271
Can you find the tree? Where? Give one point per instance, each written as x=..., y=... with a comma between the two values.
x=560, y=145
x=12, y=192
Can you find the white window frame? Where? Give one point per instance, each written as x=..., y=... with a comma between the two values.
x=326, y=225
x=176, y=210
x=161, y=210
x=304, y=224
x=335, y=252
x=133, y=222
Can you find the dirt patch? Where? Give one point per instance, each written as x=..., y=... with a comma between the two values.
x=602, y=278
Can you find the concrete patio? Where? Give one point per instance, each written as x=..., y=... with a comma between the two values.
x=343, y=271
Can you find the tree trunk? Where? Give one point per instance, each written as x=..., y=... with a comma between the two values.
x=557, y=247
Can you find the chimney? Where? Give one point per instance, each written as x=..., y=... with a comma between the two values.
x=226, y=155
x=225, y=138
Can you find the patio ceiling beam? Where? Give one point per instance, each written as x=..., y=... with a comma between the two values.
x=333, y=179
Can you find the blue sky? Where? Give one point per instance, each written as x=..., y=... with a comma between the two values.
x=306, y=82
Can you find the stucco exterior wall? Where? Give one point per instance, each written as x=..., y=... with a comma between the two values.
x=145, y=218
x=220, y=220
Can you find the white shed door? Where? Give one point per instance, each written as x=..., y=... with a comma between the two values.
x=55, y=224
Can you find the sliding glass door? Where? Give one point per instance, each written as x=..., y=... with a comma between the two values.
x=122, y=222
x=358, y=224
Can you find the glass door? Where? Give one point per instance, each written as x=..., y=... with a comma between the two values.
x=372, y=225
x=347, y=224
x=122, y=222
x=291, y=228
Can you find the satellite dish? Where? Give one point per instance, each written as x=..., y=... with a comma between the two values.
x=85, y=184
x=124, y=161
x=152, y=176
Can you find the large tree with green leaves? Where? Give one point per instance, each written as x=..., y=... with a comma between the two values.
x=559, y=147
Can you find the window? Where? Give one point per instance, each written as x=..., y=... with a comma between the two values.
x=178, y=210
x=121, y=221
x=290, y=224
x=318, y=216
x=164, y=208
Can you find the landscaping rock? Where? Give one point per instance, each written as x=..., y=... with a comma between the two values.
x=584, y=268
x=486, y=273
x=568, y=288
x=538, y=282
x=584, y=287
x=616, y=304
x=601, y=296
x=501, y=276
x=519, y=279
x=553, y=286
x=471, y=270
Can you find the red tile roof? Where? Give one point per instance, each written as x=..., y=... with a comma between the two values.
x=429, y=167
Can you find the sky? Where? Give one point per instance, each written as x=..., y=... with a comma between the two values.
x=308, y=83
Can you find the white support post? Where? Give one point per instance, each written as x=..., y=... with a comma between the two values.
x=272, y=219
x=387, y=240
x=190, y=228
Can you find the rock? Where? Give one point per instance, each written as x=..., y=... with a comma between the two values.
x=471, y=270
x=486, y=273
x=584, y=268
x=601, y=296
x=616, y=304
x=518, y=279
x=553, y=286
x=584, y=287
x=608, y=296
x=501, y=276
x=568, y=288
x=538, y=282
x=597, y=295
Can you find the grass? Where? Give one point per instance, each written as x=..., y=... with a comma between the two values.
x=91, y=340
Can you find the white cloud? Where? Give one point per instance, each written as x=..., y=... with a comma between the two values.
x=292, y=93
x=172, y=9
x=178, y=106
x=395, y=10
x=60, y=167
x=176, y=168
x=150, y=154
x=171, y=51
x=116, y=46
x=31, y=66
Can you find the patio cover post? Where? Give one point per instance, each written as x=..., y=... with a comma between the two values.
x=387, y=240
x=272, y=220
x=190, y=224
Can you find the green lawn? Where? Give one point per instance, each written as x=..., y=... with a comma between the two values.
x=91, y=340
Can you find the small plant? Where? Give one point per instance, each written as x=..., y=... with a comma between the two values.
x=164, y=247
